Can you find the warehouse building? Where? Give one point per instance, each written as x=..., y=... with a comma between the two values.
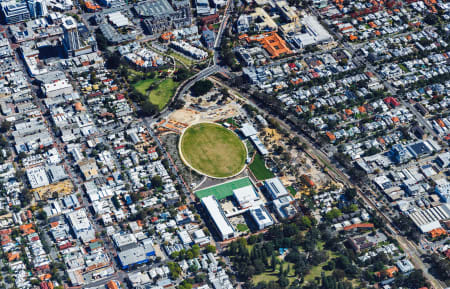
x=429, y=219
x=218, y=217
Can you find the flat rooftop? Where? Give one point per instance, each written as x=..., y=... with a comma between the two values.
x=224, y=190
x=154, y=8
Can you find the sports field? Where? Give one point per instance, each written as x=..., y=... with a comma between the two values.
x=224, y=190
x=213, y=150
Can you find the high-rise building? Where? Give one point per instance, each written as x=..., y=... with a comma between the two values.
x=32, y=7
x=40, y=8
x=71, y=40
x=14, y=12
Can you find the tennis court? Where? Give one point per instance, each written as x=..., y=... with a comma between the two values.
x=224, y=190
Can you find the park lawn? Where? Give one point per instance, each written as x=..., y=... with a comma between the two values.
x=259, y=169
x=273, y=275
x=162, y=94
x=142, y=85
x=242, y=227
x=213, y=150
x=184, y=60
x=317, y=270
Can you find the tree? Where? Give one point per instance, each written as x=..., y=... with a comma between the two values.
x=333, y=214
x=175, y=270
x=5, y=126
x=202, y=87
x=350, y=194
x=113, y=61
x=156, y=181
x=210, y=249
x=195, y=250
x=305, y=222
x=148, y=108
x=274, y=262
x=42, y=215
x=182, y=74
x=283, y=281
x=102, y=42
x=115, y=202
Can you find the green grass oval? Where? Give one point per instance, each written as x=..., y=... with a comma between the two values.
x=213, y=150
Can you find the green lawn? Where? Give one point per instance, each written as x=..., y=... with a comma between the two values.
x=213, y=150
x=242, y=227
x=273, y=276
x=142, y=85
x=259, y=169
x=317, y=270
x=186, y=61
x=162, y=94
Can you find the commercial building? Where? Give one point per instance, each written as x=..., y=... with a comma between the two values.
x=71, y=40
x=157, y=8
x=115, y=37
x=170, y=19
x=124, y=241
x=442, y=189
x=56, y=173
x=37, y=177
x=14, y=12
x=136, y=256
x=429, y=219
x=314, y=33
x=38, y=8
x=56, y=88
x=203, y=8
x=261, y=217
x=262, y=20
x=218, y=217
x=118, y=19
x=275, y=188
x=400, y=154
x=208, y=38
x=88, y=168
x=81, y=225
x=289, y=13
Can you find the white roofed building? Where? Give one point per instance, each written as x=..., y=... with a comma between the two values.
x=245, y=196
x=218, y=217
